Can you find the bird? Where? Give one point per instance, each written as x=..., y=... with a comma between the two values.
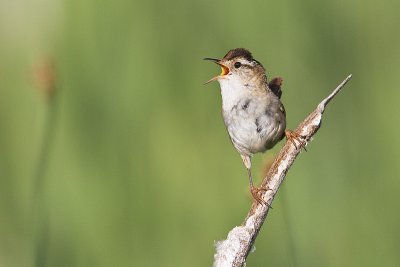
x=253, y=113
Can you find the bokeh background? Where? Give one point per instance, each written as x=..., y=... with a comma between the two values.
x=126, y=162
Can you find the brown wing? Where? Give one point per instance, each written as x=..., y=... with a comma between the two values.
x=275, y=85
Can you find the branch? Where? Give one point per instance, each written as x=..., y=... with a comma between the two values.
x=234, y=250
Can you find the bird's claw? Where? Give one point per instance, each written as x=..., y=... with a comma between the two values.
x=295, y=138
x=257, y=194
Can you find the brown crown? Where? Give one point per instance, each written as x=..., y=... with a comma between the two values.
x=238, y=52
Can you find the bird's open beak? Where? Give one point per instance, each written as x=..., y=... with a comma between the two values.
x=224, y=69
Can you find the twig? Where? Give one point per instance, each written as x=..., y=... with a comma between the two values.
x=234, y=250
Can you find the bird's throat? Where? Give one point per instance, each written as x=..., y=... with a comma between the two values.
x=232, y=91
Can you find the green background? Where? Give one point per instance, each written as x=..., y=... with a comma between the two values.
x=129, y=163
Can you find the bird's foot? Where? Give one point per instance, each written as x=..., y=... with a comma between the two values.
x=257, y=194
x=296, y=139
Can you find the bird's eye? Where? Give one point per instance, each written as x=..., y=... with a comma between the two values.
x=237, y=65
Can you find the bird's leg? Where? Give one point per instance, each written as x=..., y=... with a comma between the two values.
x=295, y=138
x=255, y=192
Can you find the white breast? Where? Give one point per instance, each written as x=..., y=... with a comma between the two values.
x=232, y=91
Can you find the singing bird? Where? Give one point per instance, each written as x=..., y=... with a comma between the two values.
x=253, y=113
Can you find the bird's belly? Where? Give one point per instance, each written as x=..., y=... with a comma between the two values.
x=252, y=132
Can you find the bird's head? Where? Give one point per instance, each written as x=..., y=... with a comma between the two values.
x=238, y=65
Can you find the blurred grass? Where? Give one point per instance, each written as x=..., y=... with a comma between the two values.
x=140, y=171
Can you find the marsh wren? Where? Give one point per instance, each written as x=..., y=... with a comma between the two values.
x=252, y=111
